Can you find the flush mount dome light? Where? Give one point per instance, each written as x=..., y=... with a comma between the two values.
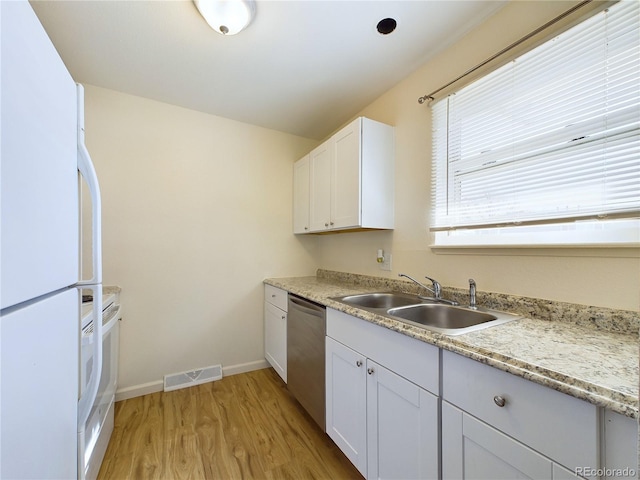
x=227, y=17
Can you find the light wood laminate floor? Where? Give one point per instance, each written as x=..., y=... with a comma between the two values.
x=245, y=426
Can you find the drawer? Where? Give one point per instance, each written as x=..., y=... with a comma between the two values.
x=412, y=359
x=276, y=296
x=557, y=425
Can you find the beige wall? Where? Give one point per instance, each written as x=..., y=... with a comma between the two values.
x=197, y=212
x=605, y=277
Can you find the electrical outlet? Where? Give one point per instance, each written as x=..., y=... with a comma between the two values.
x=386, y=265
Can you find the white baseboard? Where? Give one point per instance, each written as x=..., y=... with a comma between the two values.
x=244, y=367
x=139, y=390
x=158, y=386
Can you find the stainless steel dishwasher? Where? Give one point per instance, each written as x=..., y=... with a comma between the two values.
x=306, y=329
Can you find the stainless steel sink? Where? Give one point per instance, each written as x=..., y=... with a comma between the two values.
x=384, y=300
x=448, y=319
x=436, y=317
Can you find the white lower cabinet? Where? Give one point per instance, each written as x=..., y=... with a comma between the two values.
x=400, y=408
x=386, y=425
x=346, y=390
x=402, y=427
x=497, y=425
x=275, y=329
x=472, y=449
x=620, y=441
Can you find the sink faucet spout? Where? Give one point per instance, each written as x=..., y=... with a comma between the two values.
x=472, y=294
x=436, y=290
x=416, y=282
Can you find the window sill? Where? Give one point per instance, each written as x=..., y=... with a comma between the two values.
x=631, y=250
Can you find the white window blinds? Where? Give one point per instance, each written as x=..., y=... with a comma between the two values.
x=553, y=136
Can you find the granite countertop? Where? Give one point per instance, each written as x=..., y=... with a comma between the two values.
x=111, y=289
x=595, y=364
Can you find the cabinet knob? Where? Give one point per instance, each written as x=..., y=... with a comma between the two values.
x=370, y=370
x=306, y=228
x=330, y=223
x=499, y=401
x=273, y=295
x=326, y=224
x=283, y=317
x=358, y=363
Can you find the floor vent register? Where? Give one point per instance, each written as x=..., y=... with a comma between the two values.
x=192, y=378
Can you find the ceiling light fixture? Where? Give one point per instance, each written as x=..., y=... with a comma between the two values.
x=227, y=17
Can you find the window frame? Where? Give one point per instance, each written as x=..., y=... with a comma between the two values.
x=587, y=232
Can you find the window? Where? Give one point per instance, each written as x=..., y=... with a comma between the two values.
x=546, y=149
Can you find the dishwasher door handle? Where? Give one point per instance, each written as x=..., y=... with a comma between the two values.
x=307, y=307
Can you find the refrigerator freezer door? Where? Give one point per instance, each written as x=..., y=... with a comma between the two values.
x=39, y=185
x=39, y=385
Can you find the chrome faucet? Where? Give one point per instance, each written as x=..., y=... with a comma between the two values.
x=416, y=282
x=472, y=294
x=436, y=290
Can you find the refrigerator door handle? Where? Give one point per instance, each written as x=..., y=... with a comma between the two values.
x=85, y=402
x=88, y=172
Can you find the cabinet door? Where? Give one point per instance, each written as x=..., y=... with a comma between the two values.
x=320, y=160
x=402, y=427
x=346, y=402
x=473, y=450
x=346, y=173
x=620, y=443
x=301, y=195
x=275, y=338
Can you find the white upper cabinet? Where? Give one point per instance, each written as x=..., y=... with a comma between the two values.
x=301, y=195
x=320, y=160
x=346, y=184
x=351, y=180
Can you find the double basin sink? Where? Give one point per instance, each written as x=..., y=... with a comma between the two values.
x=427, y=314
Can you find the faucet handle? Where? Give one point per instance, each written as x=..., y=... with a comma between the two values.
x=437, y=289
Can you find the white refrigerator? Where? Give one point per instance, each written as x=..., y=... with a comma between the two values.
x=42, y=151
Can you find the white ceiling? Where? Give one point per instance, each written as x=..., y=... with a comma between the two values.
x=303, y=67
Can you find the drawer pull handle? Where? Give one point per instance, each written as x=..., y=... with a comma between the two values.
x=370, y=371
x=358, y=363
x=499, y=401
